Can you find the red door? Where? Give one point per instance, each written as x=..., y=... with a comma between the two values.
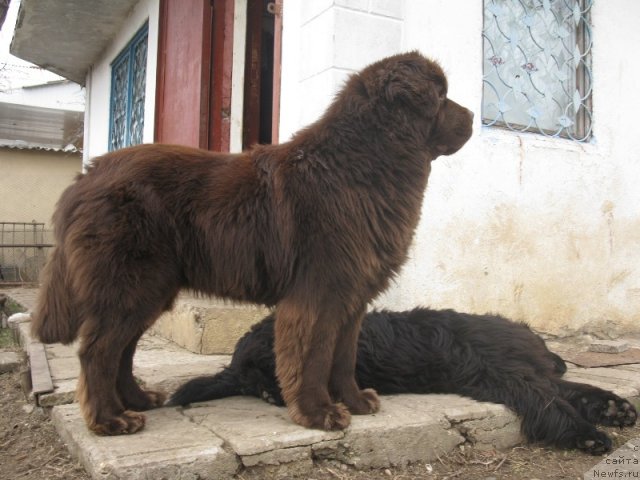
x=193, y=91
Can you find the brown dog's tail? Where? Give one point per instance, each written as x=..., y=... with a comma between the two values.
x=55, y=319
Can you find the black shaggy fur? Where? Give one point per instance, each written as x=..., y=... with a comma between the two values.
x=485, y=357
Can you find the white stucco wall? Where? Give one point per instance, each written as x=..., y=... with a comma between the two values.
x=98, y=85
x=542, y=230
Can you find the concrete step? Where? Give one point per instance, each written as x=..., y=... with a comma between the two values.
x=215, y=440
x=207, y=326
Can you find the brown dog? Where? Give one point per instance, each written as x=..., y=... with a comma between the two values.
x=316, y=226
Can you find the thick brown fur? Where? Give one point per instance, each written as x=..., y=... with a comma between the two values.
x=316, y=226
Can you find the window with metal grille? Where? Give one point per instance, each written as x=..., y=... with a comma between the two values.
x=537, y=67
x=128, y=82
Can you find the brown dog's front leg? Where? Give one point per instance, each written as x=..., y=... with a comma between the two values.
x=342, y=383
x=133, y=397
x=305, y=340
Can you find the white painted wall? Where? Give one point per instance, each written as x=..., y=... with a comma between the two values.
x=98, y=85
x=542, y=230
x=323, y=42
x=59, y=94
x=237, y=75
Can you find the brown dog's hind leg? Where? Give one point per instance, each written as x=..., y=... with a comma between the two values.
x=101, y=407
x=304, y=344
x=342, y=383
x=132, y=396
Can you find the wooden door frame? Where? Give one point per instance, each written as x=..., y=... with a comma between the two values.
x=220, y=75
x=252, y=74
x=277, y=69
x=252, y=83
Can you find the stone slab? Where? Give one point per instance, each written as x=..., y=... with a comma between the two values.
x=63, y=368
x=618, y=376
x=634, y=367
x=251, y=426
x=170, y=447
x=609, y=346
x=64, y=392
x=9, y=361
x=23, y=330
x=166, y=370
x=207, y=326
x=218, y=439
x=57, y=350
x=408, y=428
x=594, y=359
x=619, y=388
x=41, y=381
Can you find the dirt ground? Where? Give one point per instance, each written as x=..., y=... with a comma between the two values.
x=29, y=446
x=31, y=449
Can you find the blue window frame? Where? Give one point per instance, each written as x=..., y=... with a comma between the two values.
x=128, y=82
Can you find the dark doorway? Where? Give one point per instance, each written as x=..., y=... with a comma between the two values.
x=262, y=72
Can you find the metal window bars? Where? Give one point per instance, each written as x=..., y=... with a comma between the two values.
x=537, y=67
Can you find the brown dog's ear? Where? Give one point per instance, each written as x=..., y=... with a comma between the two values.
x=408, y=81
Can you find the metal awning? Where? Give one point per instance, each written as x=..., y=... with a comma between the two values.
x=28, y=127
x=67, y=36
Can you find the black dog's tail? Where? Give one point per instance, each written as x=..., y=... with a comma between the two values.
x=210, y=387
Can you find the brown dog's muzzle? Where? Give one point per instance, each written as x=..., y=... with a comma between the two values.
x=455, y=126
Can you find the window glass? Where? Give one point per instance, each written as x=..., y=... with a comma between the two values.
x=537, y=66
x=128, y=83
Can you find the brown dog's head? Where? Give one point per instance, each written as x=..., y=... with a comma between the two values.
x=411, y=91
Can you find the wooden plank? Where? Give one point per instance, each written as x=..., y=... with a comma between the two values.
x=277, y=68
x=593, y=359
x=221, y=61
x=40, y=374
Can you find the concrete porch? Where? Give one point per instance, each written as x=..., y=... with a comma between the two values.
x=218, y=439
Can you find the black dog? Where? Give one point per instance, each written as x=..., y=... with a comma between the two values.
x=485, y=357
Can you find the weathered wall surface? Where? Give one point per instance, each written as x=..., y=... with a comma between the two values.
x=542, y=230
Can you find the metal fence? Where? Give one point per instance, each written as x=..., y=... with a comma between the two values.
x=23, y=251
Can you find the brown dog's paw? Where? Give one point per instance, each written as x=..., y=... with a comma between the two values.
x=142, y=400
x=364, y=403
x=154, y=399
x=125, y=423
x=334, y=416
x=337, y=417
